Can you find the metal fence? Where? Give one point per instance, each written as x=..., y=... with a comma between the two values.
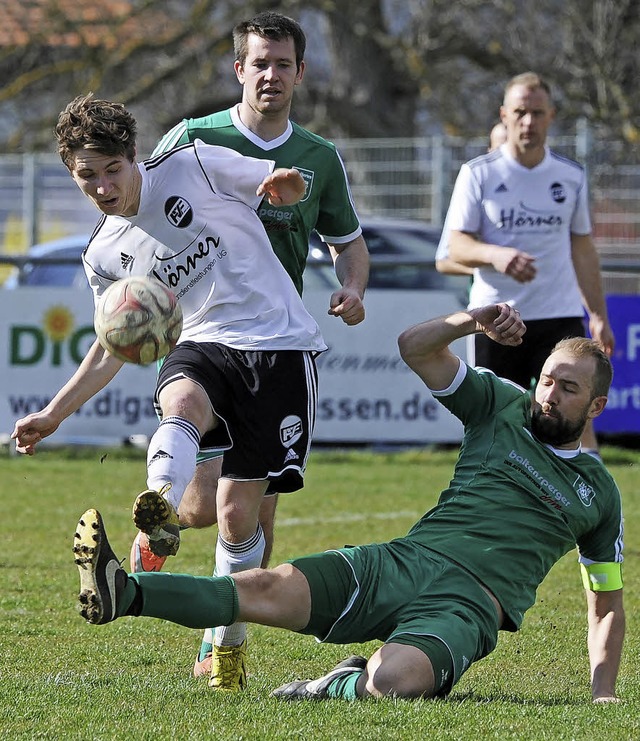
x=413, y=178
x=408, y=178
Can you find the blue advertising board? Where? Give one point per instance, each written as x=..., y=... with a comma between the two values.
x=622, y=413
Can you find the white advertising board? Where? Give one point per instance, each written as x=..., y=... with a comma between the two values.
x=367, y=394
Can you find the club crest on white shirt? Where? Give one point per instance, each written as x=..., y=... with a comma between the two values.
x=178, y=212
x=558, y=193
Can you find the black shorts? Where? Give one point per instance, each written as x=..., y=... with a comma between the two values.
x=266, y=402
x=522, y=364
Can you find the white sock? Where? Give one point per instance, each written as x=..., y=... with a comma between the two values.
x=171, y=457
x=231, y=558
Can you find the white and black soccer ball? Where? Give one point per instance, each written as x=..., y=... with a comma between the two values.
x=138, y=320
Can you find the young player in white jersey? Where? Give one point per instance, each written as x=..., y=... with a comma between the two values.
x=242, y=377
x=196, y=230
x=519, y=217
x=269, y=50
x=522, y=495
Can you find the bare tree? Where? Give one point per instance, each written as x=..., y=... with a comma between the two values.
x=375, y=67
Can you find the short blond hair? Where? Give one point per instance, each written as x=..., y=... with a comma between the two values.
x=583, y=347
x=530, y=80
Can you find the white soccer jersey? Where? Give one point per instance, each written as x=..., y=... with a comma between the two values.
x=197, y=231
x=532, y=209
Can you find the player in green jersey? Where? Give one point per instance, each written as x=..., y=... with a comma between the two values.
x=523, y=494
x=269, y=64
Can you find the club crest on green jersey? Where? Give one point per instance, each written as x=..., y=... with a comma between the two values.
x=584, y=491
x=307, y=176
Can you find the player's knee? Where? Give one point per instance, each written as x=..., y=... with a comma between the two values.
x=384, y=682
x=237, y=520
x=399, y=671
x=196, y=517
x=184, y=398
x=198, y=506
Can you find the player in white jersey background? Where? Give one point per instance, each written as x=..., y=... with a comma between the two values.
x=519, y=216
x=242, y=377
x=269, y=50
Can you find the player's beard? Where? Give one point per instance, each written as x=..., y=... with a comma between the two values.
x=555, y=430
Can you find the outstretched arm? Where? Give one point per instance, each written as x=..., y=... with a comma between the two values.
x=606, y=634
x=425, y=347
x=351, y=261
x=93, y=374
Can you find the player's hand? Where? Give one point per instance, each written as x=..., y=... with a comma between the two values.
x=30, y=430
x=601, y=331
x=501, y=323
x=348, y=305
x=516, y=264
x=283, y=187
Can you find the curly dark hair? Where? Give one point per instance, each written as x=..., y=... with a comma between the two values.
x=269, y=25
x=88, y=123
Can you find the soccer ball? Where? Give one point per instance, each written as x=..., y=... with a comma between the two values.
x=138, y=320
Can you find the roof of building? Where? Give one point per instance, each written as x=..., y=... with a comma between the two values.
x=73, y=23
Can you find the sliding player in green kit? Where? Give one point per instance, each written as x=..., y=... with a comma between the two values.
x=523, y=494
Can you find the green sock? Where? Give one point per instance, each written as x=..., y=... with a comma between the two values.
x=206, y=647
x=129, y=600
x=344, y=687
x=193, y=601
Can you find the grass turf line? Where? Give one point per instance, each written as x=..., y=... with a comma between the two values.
x=61, y=678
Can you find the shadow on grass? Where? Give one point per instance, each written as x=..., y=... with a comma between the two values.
x=512, y=699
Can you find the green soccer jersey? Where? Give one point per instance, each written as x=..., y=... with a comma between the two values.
x=326, y=205
x=514, y=505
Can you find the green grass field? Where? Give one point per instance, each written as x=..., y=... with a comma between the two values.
x=63, y=679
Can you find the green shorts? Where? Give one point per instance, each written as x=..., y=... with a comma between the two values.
x=401, y=592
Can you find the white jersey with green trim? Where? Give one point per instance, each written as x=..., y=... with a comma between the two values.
x=530, y=209
x=515, y=506
x=198, y=232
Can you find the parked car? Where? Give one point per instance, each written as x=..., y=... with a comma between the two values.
x=55, y=263
x=402, y=256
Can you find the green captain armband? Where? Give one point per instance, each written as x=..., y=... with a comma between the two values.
x=601, y=577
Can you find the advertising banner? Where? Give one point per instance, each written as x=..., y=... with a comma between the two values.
x=367, y=394
x=44, y=336
x=622, y=413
